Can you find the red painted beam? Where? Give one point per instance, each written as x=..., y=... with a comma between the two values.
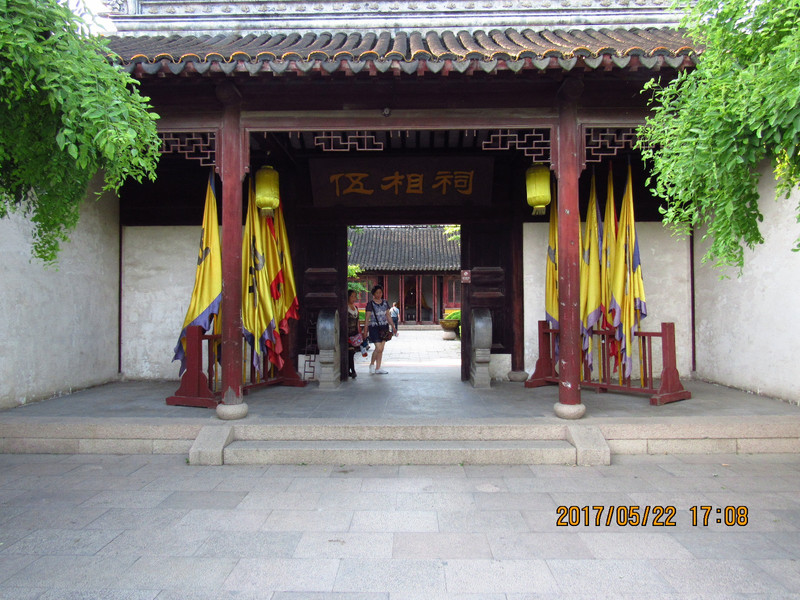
x=568, y=172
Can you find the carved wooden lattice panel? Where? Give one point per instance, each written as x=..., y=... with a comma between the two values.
x=606, y=142
x=535, y=143
x=345, y=141
x=200, y=146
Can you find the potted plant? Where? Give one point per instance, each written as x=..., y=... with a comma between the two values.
x=450, y=325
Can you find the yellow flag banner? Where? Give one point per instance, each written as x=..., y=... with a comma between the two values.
x=272, y=339
x=591, y=303
x=290, y=307
x=551, y=271
x=627, y=285
x=608, y=250
x=273, y=266
x=207, y=293
x=258, y=313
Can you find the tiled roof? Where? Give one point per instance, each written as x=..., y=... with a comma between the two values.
x=509, y=49
x=404, y=248
x=202, y=17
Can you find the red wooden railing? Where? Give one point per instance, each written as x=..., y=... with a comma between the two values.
x=669, y=387
x=201, y=386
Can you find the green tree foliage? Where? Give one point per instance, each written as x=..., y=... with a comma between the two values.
x=354, y=271
x=65, y=113
x=713, y=126
x=452, y=233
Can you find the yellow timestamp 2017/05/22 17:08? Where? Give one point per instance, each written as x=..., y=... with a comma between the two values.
x=642, y=516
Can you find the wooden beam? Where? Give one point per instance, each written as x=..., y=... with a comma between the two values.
x=188, y=121
x=432, y=120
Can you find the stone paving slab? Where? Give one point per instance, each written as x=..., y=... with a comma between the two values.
x=282, y=574
x=345, y=545
x=441, y=545
x=250, y=544
x=361, y=532
x=308, y=520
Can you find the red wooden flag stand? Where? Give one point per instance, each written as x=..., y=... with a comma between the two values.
x=195, y=388
x=670, y=388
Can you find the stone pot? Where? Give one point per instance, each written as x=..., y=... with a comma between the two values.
x=450, y=328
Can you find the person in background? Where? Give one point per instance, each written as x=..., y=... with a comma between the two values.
x=378, y=324
x=394, y=313
x=352, y=329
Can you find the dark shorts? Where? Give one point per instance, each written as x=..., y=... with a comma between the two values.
x=375, y=333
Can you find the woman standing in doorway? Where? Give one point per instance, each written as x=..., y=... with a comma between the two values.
x=378, y=323
x=352, y=331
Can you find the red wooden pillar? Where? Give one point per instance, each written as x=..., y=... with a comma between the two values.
x=401, y=283
x=568, y=171
x=232, y=173
x=418, y=297
x=435, y=294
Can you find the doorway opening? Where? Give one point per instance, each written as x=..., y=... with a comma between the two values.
x=418, y=267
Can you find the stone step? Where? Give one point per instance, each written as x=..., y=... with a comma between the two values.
x=400, y=452
x=376, y=431
x=98, y=436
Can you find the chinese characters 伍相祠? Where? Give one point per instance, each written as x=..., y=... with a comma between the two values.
x=357, y=183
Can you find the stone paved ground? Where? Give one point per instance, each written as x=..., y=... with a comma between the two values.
x=147, y=527
x=424, y=382
x=423, y=347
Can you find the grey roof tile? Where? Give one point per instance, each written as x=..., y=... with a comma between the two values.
x=403, y=248
x=506, y=45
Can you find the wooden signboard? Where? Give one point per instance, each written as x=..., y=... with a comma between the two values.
x=401, y=181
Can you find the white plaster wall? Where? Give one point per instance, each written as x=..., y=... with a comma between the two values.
x=748, y=326
x=60, y=328
x=158, y=269
x=666, y=272
x=534, y=252
x=666, y=268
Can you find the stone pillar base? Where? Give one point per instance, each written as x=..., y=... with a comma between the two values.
x=329, y=375
x=481, y=348
x=569, y=411
x=479, y=369
x=229, y=412
x=517, y=376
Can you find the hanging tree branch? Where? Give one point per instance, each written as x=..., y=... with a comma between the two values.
x=713, y=126
x=65, y=112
